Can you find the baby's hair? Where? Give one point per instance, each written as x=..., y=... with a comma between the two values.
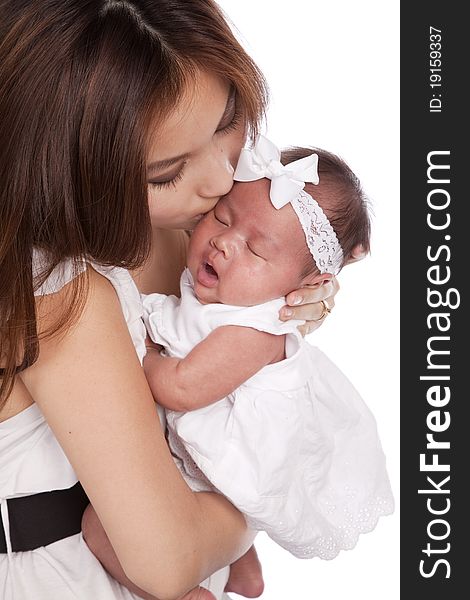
x=340, y=195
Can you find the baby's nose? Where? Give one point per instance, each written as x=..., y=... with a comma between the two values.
x=223, y=244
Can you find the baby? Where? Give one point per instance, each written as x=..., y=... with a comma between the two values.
x=253, y=411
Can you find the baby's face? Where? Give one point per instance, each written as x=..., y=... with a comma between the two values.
x=244, y=251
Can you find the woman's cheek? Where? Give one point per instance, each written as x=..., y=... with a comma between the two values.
x=156, y=207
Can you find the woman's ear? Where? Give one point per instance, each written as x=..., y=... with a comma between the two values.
x=316, y=279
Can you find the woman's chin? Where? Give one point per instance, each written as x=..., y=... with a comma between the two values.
x=191, y=224
x=186, y=225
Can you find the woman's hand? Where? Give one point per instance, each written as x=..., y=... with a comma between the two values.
x=198, y=593
x=98, y=542
x=307, y=304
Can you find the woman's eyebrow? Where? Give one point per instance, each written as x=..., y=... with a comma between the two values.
x=167, y=162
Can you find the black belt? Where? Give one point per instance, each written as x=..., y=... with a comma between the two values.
x=41, y=519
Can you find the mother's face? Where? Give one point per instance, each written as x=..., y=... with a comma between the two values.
x=193, y=154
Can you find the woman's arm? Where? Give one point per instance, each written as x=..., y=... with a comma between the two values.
x=99, y=544
x=93, y=392
x=214, y=368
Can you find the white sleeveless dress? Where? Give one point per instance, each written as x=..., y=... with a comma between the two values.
x=32, y=461
x=294, y=448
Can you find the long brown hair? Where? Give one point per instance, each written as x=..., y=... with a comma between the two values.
x=80, y=83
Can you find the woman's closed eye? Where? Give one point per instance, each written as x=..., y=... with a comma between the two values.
x=232, y=115
x=168, y=179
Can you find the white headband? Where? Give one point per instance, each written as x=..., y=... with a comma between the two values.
x=287, y=185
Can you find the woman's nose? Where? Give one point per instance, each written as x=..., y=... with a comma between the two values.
x=217, y=173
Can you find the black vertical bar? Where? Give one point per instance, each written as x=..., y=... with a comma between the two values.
x=435, y=201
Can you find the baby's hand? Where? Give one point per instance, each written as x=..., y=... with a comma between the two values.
x=311, y=304
x=246, y=577
x=150, y=345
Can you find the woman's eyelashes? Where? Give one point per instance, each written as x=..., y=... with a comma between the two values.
x=234, y=123
x=230, y=120
x=232, y=116
x=168, y=180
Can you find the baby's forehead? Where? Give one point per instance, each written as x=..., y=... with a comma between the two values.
x=252, y=206
x=253, y=189
x=250, y=202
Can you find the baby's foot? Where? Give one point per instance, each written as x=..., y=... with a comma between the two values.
x=246, y=577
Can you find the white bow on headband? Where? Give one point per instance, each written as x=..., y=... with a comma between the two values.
x=264, y=160
x=287, y=185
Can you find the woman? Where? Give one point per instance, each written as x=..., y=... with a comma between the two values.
x=107, y=109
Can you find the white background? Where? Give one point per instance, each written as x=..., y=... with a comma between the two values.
x=332, y=68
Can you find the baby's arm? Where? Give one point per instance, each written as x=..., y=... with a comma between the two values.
x=215, y=367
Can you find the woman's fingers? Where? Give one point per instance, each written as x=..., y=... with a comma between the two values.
x=309, y=327
x=310, y=304
x=310, y=307
x=308, y=312
x=312, y=294
x=198, y=593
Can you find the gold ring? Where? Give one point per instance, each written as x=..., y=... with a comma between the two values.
x=326, y=310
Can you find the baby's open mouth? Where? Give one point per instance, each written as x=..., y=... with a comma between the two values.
x=207, y=275
x=209, y=269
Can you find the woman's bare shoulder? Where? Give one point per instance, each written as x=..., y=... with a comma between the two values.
x=97, y=296
x=49, y=309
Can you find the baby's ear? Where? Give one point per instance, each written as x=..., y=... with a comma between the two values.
x=358, y=253
x=316, y=280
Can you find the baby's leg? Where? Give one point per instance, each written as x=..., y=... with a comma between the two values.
x=216, y=583
x=246, y=577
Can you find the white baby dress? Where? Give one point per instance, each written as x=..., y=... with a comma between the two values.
x=32, y=461
x=294, y=448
